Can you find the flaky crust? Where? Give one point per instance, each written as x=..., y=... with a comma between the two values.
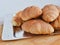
x=17, y=21
x=31, y=12
x=56, y=23
x=50, y=13
x=37, y=27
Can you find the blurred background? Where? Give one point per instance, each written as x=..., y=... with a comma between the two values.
x=13, y=6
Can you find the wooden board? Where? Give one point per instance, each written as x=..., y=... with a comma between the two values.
x=39, y=40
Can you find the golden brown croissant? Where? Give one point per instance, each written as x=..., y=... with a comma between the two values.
x=50, y=13
x=56, y=23
x=17, y=21
x=31, y=12
x=37, y=27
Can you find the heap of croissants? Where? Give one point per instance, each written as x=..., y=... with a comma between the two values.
x=35, y=20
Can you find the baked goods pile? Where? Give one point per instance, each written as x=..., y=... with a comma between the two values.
x=38, y=21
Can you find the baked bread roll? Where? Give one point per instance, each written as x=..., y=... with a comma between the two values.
x=56, y=23
x=17, y=21
x=31, y=12
x=50, y=13
x=37, y=27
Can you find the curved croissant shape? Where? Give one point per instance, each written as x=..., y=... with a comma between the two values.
x=37, y=27
x=50, y=13
x=31, y=12
x=56, y=23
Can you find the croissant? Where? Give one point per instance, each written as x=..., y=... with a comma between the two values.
x=56, y=23
x=17, y=21
x=50, y=13
x=37, y=27
x=31, y=12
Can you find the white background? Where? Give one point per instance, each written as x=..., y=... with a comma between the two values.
x=13, y=6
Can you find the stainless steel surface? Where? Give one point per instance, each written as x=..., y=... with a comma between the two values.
x=8, y=32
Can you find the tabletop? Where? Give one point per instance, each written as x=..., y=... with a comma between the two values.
x=39, y=40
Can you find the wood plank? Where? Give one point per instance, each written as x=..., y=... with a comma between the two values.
x=39, y=40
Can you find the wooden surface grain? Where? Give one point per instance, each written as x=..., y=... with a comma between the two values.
x=39, y=40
